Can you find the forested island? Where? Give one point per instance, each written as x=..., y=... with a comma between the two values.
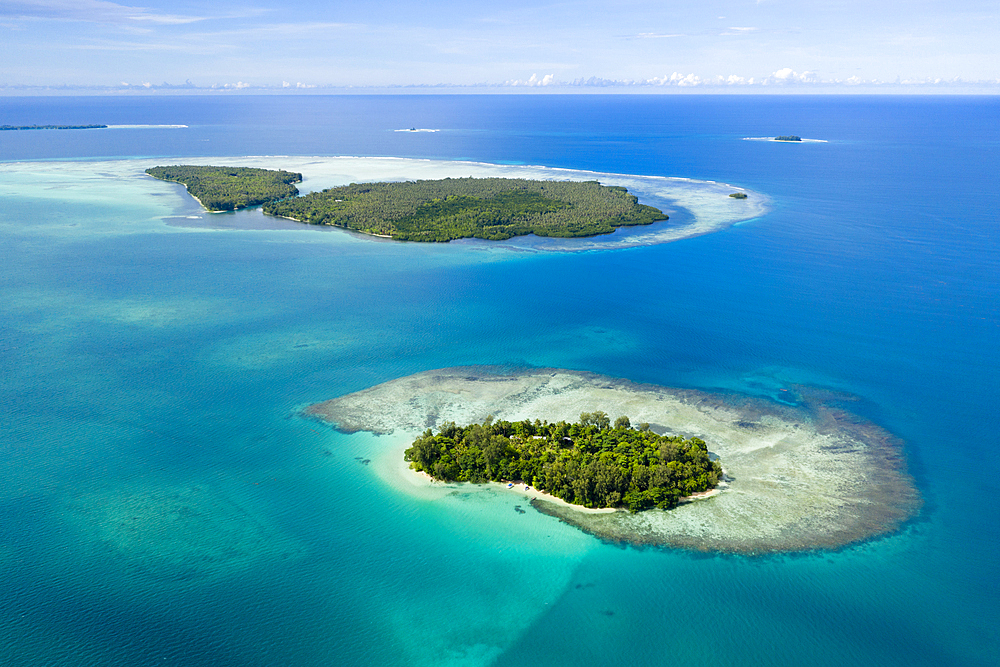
x=231, y=188
x=485, y=208
x=52, y=127
x=592, y=463
x=739, y=195
x=788, y=137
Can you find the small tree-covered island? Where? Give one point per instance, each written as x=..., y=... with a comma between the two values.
x=230, y=188
x=592, y=463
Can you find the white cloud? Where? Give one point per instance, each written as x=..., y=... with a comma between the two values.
x=95, y=11
x=782, y=77
x=657, y=35
x=533, y=81
x=675, y=79
x=788, y=76
x=285, y=84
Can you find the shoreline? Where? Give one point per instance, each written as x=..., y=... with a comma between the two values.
x=194, y=197
x=520, y=488
x=537, y=494
x=346, y=229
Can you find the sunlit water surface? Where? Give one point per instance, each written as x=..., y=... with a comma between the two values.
x=162, y=501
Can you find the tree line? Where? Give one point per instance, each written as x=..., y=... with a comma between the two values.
x=51, y=127
x=231, y=188
x=592, y=463
x=486, y=208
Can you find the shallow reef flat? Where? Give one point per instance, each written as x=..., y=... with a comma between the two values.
x=797, y=477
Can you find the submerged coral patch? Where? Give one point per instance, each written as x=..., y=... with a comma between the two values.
x=177, y=532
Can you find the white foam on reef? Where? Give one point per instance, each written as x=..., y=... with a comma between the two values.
x=135, y=127
x=416, y=129
x=797, y=478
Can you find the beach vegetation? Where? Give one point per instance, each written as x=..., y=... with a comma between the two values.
x=589, y=463
x=231, y=188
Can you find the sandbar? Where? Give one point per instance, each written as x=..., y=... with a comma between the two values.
x=804, y=476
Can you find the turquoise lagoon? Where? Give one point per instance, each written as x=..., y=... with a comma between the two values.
x=163, y=501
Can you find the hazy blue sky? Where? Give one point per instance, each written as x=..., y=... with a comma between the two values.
x=267, y=43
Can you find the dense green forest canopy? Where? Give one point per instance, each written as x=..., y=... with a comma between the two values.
x=788, y=137
x=486, y=208
x=231, y=188
x=52, y=127
x=593, y=463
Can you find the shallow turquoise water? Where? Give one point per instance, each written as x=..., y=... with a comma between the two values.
x=163, y=502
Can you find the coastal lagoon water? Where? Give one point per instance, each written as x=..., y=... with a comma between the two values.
x=164, y=501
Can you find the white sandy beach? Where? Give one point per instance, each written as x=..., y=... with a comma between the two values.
x=397, y=473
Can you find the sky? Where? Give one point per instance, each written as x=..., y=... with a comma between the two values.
x=720, y=44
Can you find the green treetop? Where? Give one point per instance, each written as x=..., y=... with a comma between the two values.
x=486, y=208
x=231, y=188
x=591, y=463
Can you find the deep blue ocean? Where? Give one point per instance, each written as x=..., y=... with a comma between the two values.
x=162, y=502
